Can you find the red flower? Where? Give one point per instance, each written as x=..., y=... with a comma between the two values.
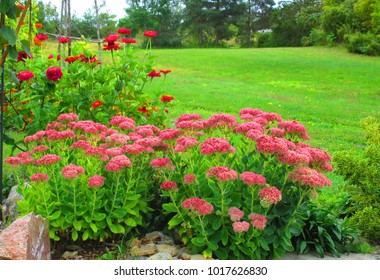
x=150, y=34
x=154, y=74
x=166, y=98
x=50, y=56
x=38, y=25
x=22, y=56
x=128, y=41
x=111, y=45
x=21, y=7
x=165, y=72
x=25, y=75
x=54, y=73
x=97, y=104
x=123, y=30
x=42, y=37
x=143, y=109
x=64, y=40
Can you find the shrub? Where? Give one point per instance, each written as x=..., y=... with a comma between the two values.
x=231, y=189
x=264, y=40
x=362, y=172
x=368, y=44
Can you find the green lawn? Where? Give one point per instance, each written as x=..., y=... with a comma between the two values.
x=328, y=90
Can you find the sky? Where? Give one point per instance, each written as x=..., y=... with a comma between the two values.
x=114, y=7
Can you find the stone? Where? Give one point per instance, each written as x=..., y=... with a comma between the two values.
x=198, y=257
x=26, y=239
x=161, y=256
x=71, y=255
x=185, y=256
x=144, y=250
x=10, y=205
x=165, y=248
x=158, y=238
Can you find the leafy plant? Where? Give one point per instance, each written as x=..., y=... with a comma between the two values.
x=325, y=233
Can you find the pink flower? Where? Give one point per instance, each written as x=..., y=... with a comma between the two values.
x=188, y=117
x=245, y=127
x=160, y=162
x=96, y=181
x=250, y=111
x=169, y=186
x=48, y=159
x=169, y=134
x=72, y=171
x=80, y=144
x=294, y=127
x=271, y=145
x=133, y=149
x=116, y=120
x=39, y=149
x=270, y=116
x=114, y=152
x=117, y=163
x=64, y=40
x=221, y=120
x=154, y=74
x=235, y=214
x=222, y=173
x=309, y=177
x=250, y=178
x=269, y=196
x=216, y=145
x=39, y=177
x=278, y=132
x=197, y=204
x=70, y=117
x=258, y=221
x=254, y=134
x=293, y=158
x=128, y=41
x=240, y=227
x=13, y=161
x=189, y=179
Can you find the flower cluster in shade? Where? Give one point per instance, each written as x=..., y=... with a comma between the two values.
x=258, y=221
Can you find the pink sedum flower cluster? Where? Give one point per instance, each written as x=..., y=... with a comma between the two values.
x=240, y=227
x=235, y=214
x=216, y=145
x=39, y=177
x=222, y=173
x=269, y=196
x=309, y=177
x=258, y=221
x=72, y=171
x=251, y=178
x=198, y=205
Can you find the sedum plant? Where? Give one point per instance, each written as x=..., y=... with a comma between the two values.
x=231, y=188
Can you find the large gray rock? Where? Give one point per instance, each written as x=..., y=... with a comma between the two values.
x=26, y=239
x=10, y=205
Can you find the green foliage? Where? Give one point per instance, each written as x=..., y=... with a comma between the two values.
x=368, y=44
x=362, y=173
x=325, y=233
x=91, y=90
x=264, y=40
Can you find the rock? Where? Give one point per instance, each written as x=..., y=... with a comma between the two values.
x=165, y=248
x=184, y=256
x=144, y=250
x=10, y=205
x=161, y=256
x=158, y=238
x=71, y=255
x=198, y=257
x=26, y=239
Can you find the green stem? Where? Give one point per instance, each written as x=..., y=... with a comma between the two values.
x=116, y=191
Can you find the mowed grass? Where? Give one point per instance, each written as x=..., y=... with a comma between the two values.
x=328, y=90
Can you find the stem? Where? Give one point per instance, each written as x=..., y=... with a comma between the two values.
x=93, y=205
x=117, y=189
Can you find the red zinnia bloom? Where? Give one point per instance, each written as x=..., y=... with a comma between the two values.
x=22, y=56
x=128, y=41
x=42, y=37
x=112, y=38
x=143, y=109
x=154, y=74
x=97, y=104
x=165, y=72
x=25, y=75
x=124, y=30
x=111, y=42
x=64, y=40
x=54, y=73
x=150, y=34
x=166, y=98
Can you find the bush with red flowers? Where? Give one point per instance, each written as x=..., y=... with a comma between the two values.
x=226, y=194
x=78, y=83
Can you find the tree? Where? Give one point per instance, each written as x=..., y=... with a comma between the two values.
x=47, y=15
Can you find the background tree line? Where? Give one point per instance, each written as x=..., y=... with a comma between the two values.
x=245, y=23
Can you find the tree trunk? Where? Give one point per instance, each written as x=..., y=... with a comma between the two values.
x=69, y=24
